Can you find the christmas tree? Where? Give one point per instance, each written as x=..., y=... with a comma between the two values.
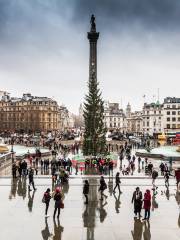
x=94, y=135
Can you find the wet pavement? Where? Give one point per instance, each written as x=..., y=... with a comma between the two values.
x=22, y=213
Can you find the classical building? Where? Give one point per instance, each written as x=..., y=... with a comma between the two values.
x=65, y=119
x=114, y=117
x=153, y=118
x=79, y=120
x=135, y=123
x=171, y=114
x=128, y=111
x=29, y=113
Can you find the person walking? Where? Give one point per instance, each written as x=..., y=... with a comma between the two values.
x=46, y=200
x=154, y=177
x=86, y=190
x=14, y=168
x=150, y=168
x=102, y=187
x=166, y=178
x=137, y=200
x=58, y=200
x=118, y=181
x=24, y=168
x=147, y=204
x=31, y=179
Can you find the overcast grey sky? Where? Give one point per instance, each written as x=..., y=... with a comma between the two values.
x=44, y=49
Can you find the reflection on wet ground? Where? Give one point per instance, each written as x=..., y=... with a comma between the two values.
x=111, y=218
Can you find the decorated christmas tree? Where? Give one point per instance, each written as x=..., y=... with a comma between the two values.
x=95, y=133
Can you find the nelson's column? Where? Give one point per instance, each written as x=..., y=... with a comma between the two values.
x=93, y=37
x=94, y=135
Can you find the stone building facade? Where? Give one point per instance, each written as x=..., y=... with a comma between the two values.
x=171, y=114
x=65, y=119
x=29, y=113
x=114, y=117
x=153, y=118
x=135, y=123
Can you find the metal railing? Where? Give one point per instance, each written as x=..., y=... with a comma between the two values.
x=5, y=159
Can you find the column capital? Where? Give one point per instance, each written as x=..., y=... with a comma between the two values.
x=93, y=36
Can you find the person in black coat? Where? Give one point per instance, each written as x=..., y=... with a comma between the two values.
x=118, y=181
x=102, y=187
x=31, y=179
x=137, y=200
x=86, y=190
x=57, y=199
x=47, y=198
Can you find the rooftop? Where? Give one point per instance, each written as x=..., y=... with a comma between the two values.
x=26, y=97
x=172, y=100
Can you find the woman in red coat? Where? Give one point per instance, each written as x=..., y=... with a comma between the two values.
x=147, y=204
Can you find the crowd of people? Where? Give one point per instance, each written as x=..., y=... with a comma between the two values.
x=60, y=167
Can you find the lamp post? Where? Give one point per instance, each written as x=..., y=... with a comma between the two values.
x=12, y=150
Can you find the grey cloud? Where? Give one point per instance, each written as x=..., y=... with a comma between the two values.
x=151, y=13
x=44, y=49
x=28, y=20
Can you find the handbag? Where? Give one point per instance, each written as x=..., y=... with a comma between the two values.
x=61, y=204
x=43, y=200
x=104, y=186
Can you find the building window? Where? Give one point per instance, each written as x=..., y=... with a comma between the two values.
x=173, y=112
x=147, y=112
x=178, y=119
x=168, y=119
x=173, y=125
x=168, y=126
x=173, y=106
x=173, y=119
x=168, y=112
x=147, y=124
x=159, y=112
x=178, y=112
x=159, y=117
x=154, y=112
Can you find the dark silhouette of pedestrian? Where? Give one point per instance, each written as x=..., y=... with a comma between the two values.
x=102, y=187
x=46, y=200
x=137, y=200
x=57, y=199
x=86, y=190
x=31, y=179
x=118, y=181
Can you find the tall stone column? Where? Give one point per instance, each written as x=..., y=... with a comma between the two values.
x=93, y=37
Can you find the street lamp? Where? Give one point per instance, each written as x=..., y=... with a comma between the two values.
x=12, y=151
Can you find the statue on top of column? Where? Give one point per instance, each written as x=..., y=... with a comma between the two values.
x=93, y=24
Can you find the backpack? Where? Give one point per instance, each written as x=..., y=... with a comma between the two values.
x=155, y=174
x=43, y=199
